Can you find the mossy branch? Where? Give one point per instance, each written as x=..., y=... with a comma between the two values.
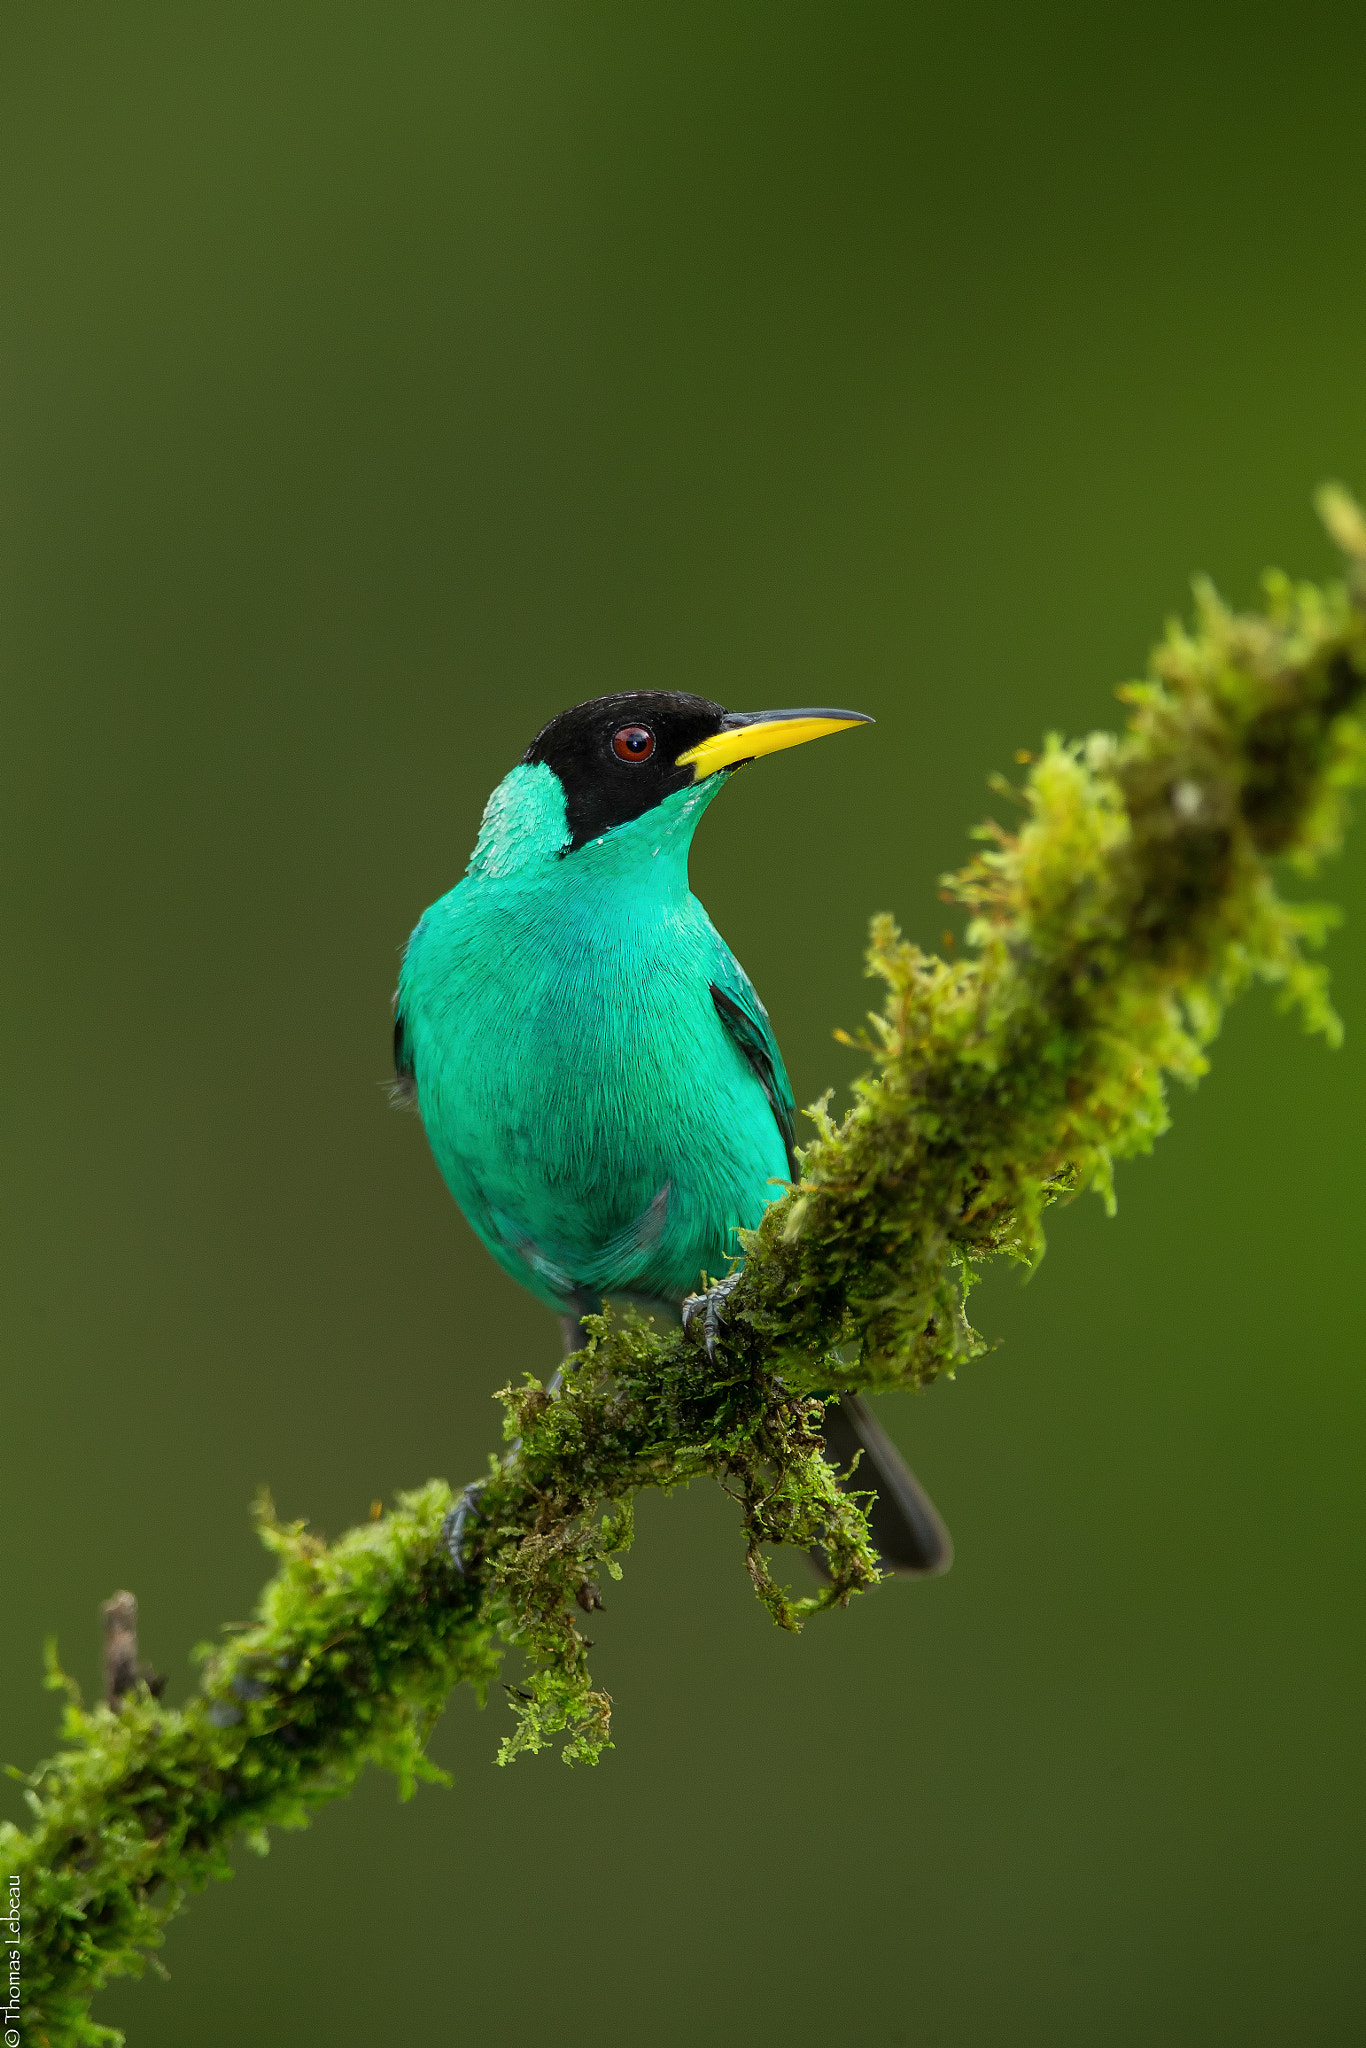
x=1107, y=931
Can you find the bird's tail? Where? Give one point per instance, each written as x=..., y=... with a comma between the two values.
x=907, y=1530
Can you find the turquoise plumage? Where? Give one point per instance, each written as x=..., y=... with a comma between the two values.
x=599, y=1125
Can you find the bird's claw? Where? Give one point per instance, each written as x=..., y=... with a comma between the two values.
x=711, y=1308
x=453, y=1528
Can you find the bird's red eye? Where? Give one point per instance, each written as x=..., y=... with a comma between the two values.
x=633, y=743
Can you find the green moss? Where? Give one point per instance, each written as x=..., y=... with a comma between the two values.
x=1107, y=932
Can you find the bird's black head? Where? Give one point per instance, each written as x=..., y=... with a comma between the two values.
x=617, y=757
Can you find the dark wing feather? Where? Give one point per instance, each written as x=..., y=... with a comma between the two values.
x=765, y=1062
x=405, y=1080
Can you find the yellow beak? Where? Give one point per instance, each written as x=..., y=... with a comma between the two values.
x=747, y=734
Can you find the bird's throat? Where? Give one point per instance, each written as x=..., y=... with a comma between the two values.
x=524, y=833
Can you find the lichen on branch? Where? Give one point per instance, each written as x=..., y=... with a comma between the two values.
x=1107, y=930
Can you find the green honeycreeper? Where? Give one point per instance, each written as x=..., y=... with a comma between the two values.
x=597, y=1077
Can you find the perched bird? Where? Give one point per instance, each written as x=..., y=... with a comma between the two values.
x=597, y=1077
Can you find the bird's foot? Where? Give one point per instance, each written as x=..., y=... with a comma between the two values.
x=710, y=1308
x=454, y=1526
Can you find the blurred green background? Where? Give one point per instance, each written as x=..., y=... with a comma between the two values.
x=378, y=380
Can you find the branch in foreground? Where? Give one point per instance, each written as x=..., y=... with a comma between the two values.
x=1107, y=934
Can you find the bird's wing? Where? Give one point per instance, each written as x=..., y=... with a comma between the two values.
x=405, y=1080
x=745, y=1018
